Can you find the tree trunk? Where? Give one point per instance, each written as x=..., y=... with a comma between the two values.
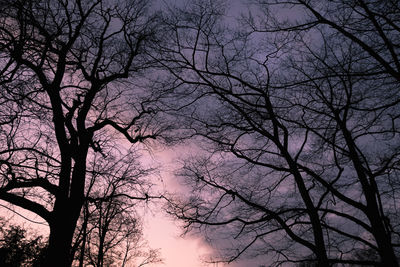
x=84, y=236
x=320, y=249
x=61, y=235
x=382, y=237
x=58, y=252
x=386, y=252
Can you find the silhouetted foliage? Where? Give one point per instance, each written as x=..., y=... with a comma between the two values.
x=17, y=249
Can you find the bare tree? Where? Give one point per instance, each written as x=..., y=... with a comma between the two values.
x=299, y=110
x=109, y=231
x=65, y=94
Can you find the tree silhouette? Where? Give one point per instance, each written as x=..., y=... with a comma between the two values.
x=297, y=111
x=66, y=97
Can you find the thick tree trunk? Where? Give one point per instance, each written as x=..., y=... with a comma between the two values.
x=66, y=214
x=386, y=252
x=62, y=230
x=59, y=250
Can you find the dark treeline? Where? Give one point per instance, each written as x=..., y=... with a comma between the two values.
x=292, y=106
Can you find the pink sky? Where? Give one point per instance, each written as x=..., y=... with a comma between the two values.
x=176, y=250
x=165, y=233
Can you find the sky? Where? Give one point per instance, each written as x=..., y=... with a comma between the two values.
x=177, y=251
x=165, y=233
x=162, y=231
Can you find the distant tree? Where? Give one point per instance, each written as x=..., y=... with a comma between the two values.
x=71, y=76
x=109, y=232
x=17, y=249
x=297, y=111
